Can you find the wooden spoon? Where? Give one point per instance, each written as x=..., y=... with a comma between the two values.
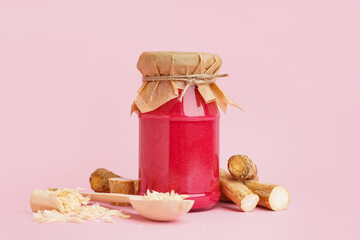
x=158, y=210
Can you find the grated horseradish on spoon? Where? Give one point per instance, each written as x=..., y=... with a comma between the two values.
x=153, y=195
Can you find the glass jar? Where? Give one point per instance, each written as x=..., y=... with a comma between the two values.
x=179, y=149
x=177, y=105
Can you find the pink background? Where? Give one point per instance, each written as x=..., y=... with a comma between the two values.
x=68, y=77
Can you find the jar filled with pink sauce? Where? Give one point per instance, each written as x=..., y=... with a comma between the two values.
x=179, y=149
x=179, y=138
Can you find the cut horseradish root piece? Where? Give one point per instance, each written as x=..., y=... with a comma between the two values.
x=99, y=180
x=122, y=185
x=224, y=198
x=271, y=196
x=241, y=167
x=235, y=190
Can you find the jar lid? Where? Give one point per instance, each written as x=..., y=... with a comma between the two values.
x=178, y=63
x=188, y=68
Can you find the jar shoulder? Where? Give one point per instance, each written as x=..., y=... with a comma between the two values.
x=191, y=106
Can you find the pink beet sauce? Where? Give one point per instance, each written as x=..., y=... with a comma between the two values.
x=179, y=149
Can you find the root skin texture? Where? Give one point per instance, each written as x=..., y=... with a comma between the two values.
x=235, y=190
x=99, y=180
x=241, y=167
x=274, y=197
x=122, y=185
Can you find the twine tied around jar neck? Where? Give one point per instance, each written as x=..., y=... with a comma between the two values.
x=191, y=80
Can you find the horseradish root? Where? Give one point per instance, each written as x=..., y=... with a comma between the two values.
x=136, y=182
x=99, y=180
x=271, y=196
x=224, y=198
x=241, y=167
x=235, y=190
x=122, y=185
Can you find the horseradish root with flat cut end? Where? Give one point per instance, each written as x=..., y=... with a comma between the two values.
x=241, y=167
x=122, y=185
x=224, y=198
x=235, y=190
x=99, y=180
x=274, y=197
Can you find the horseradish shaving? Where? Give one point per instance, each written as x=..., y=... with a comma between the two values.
x=164, y=196
x=68, y=205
